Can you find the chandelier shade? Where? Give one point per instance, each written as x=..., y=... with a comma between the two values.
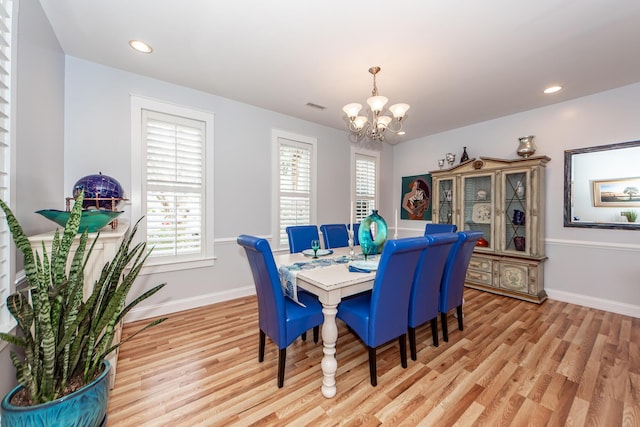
x=374, y=124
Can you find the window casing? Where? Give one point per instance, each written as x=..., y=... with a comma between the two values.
x=6, y=8
x=172, y=182
x=365, y=179
x=294, y=184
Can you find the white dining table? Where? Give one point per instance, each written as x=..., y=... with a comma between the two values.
x=330, y=284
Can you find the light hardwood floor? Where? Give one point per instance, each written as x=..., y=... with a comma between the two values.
x=515, y=364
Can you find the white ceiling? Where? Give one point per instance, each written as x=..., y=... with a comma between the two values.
x=456, y=62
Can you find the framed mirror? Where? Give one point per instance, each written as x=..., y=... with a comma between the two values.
x=602, y=186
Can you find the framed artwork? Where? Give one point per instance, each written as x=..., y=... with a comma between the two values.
x=620, y=192
x=416, y=197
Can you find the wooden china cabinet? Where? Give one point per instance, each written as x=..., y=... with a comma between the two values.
x=505, y=199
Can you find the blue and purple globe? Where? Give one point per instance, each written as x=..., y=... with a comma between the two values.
x=99, y=186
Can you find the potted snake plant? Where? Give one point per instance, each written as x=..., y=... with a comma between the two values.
x=65, y=336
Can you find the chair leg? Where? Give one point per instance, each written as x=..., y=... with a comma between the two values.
x=403, y=350
x=304, y=336
x=459, y=311
x=434, y=331
x=372, y=366
x=316, y=333
x=282, y=356
x=445, y=330
x=412, y=343
x=261, y=347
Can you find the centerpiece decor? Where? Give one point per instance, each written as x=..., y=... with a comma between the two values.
x=65, y=335
x=373, y=233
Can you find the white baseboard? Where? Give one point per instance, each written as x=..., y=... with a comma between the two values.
x=598, y=303
x=140, y=313
x=199, y=301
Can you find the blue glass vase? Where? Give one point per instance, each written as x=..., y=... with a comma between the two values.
x=373, y=230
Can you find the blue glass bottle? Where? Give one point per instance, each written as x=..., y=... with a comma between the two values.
x=373, y=230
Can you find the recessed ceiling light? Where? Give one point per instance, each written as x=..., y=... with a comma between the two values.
x=401, y=132
x=552, y=89
x=140, y=46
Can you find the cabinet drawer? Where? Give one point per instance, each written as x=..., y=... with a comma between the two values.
x=480, y=264
x=480, y=277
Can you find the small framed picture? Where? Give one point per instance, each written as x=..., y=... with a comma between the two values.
x=619, y=192
x=416, y=197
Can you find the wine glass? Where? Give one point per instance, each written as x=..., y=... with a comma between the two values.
x=366, y=249
x=315, y=245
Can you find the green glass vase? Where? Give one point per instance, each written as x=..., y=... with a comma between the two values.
x=373, y=230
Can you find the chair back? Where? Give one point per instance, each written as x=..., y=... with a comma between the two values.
x=334, y=235
x=423, y=304
x=455, y=271
x=392, y=288
x=300, y=237
x=439, y=228
x=271, y=304
x=356, y=228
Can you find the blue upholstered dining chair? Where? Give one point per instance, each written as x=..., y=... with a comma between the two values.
x=334, y=235
x=356, y=228
x=439, y=228
x=300, y=237
x=380, y=316
x=423, y=304
x=278, y=317
x=455, y=271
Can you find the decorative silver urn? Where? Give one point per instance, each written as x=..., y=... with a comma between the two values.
x=526, y=147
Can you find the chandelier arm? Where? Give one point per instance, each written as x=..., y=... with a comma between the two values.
x=395, y=126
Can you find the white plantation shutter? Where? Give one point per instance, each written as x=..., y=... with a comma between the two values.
x=295, y=186
x=174, y=182
x=6, y=321
x=366, y=185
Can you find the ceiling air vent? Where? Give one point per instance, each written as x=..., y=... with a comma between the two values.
x=319, y=107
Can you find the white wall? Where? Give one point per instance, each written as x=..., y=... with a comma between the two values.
x=592, y=267
x=38, y=111
x=97, y=138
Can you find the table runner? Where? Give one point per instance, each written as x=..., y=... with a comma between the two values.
x=289, y=273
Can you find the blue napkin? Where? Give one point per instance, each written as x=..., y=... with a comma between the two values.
x=358, y=270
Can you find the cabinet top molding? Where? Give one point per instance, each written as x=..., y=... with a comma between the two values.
x=492, y=163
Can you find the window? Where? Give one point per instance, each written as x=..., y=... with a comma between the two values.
x=366, y=184
x=294, y=183
x=172, y=178
x=6, y=321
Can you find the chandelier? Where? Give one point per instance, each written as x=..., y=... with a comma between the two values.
x=375, y=124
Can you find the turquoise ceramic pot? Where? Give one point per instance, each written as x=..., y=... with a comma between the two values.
x=86, y=407
x=373, y=230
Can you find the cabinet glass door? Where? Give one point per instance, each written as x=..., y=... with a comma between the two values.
x=478, y=206
x=515, y=211
x=445, y=201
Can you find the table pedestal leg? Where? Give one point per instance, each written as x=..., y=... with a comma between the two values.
x=329, y=338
